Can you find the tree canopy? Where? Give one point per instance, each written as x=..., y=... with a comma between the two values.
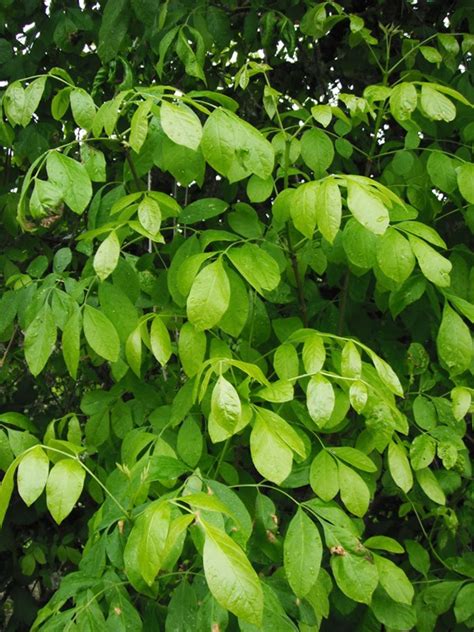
x=236, y=369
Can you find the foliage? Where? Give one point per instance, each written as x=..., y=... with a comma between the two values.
x=237, y=363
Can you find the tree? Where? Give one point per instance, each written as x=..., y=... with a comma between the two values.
x=236, y=376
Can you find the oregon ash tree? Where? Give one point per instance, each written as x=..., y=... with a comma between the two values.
x=236, y=358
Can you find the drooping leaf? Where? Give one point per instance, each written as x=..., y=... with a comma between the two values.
x=323, y=476
x=367, y=208
x=354, y=492
x=153, y=536
x=160, y=341
x=256, y=266
x=314, y=353
x=320, y=399
x=71, y=178
x=329, y=209
x=107, y=256
x=63, y=488
x=302, y=552
x=40, y=338
x=230, y=577
x=355, y=575
x=454, y=342
x=100, y=334
x=32, y=474
x=181, y=124
x=399, y=466
x=394, y=580
x=209, y=297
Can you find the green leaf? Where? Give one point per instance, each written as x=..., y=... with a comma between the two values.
x=133, y=350
x=394, y=580
x=32, y=474
x=256, y=266
x=63, y=488
x=236, y=316
x=322, y=114
x=302, y=553
x=356, y=576
x=181, y=124
x=436, y=106
x=329, y=209
x=72, y=179
x=94, y=162
x=100, y=334
x=354, y=492
x=190, y=442
x=351, y=363
x=6, y=488
x=354, y=457
x=230, y=577
x=203, y=209
x=113, y=29
x=399, y=466
x=83, y=108
x=440, y=168
x=286, y=362
x=226, y=407
x=33, y=95
x=429, y=484
x=359, y=244
x=418, y=556
x=149, y=215
x=454, y=342
x=154, y=527
x=182, y=609
x=465, y=177
x=234, y=148
x=271, y=454
x=160, y=341
x=209, y=297
x=422, y=451
x=323, y=476
x=320, y=399
x=384, y=543
x=431, y=54
x=393, y=615
x=427, y=233
x=40, y=338
x=278, y=392
x=395, y=256
x=71, y=342
x=107, y=256
x=358, y=396
x=317, y=151
x=403, y=100
x=464, y=605
x=461, y=402
x=367, y=208
x=259, y=190
x=14, y=103
x=139, y=126
x=424, y=413
x=304, y=203
x=387, y=374
x=314, y=353
x=192, y=345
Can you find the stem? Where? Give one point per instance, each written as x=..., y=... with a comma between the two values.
x=136, y=179
x=343, y=304
x=299, y=285
x=221, y=456
x=10, y=342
